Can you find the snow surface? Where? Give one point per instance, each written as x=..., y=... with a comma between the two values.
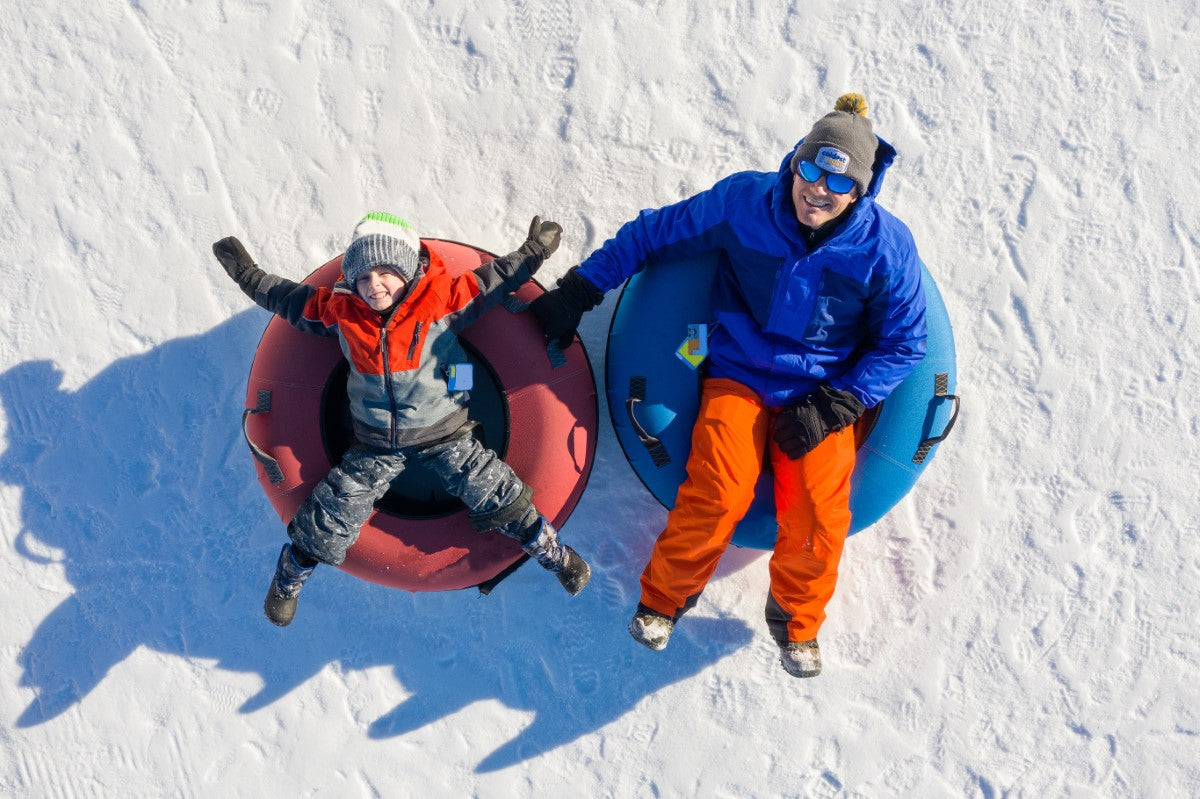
x=1023, y=624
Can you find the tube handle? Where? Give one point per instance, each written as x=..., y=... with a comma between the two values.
x=262, y=405
x=637, y=393
x=941, y=385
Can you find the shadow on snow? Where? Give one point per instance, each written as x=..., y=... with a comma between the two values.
x=139, y=487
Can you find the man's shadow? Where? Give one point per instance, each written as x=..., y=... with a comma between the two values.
x=139, y=487
x=569, y=660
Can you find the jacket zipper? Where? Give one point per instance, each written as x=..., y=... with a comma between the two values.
x=412, y=347
x=387, y=379
x=393, y=428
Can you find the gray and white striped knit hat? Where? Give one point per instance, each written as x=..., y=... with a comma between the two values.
x=382, y=240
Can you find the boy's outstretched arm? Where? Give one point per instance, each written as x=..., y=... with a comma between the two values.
x=300, y=304
x=514, y=269
x=488, y=284
x=238, y=264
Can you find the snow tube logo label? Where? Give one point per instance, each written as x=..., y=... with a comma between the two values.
x=831, y=159
x=694, y=348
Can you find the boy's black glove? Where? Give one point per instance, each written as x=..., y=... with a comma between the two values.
x=233, y=257
x=803, y=425
x=543, y=238
x=238, y=264
x=559, y=310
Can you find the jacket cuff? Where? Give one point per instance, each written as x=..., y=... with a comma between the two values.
x=580, y=291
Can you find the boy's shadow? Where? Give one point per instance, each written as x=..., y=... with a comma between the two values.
x=139, y=487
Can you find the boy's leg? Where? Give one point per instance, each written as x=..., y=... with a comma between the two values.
x=812, y=501
x=725, y=462
x=562, y=561
x=498, y=500
x=292, y=570
x=485, y=483
x=327, y=524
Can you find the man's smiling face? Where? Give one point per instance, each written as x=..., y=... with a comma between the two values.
x=816, y=204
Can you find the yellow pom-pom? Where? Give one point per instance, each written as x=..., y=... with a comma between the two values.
x=852, y=102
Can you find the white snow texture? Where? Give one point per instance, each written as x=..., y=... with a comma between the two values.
x=1023, y=624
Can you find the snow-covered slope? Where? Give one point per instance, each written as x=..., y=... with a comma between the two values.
x=1023, y=624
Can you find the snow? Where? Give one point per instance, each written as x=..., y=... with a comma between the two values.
x=1022, y=624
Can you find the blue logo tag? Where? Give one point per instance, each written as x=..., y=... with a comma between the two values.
x=831, y=159
x=460, y=376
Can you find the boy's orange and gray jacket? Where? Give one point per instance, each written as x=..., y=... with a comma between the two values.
x=399, y=360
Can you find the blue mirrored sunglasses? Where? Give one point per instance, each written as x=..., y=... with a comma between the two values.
x=838, y=184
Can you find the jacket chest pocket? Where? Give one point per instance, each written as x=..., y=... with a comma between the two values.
x=837, y=307
x=405, y=345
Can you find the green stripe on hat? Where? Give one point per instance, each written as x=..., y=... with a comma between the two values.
x=380, y=216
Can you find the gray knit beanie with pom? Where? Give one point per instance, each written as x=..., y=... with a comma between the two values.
x=842, y=142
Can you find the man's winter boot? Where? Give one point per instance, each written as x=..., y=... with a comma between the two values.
x=801, y=658
x=284, y=592
x=651, y=629
x=558, y=559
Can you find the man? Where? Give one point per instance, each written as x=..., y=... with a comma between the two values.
x=821, y=314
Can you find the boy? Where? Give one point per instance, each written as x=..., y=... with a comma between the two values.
x=397, y=314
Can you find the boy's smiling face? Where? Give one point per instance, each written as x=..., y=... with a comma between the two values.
x=380, y=287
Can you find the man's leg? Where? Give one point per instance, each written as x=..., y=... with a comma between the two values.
x=812, y=501
x=725, y=462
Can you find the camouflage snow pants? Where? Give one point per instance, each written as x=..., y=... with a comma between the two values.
x=328, y=523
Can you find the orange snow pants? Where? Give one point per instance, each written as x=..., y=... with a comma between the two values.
x=730, y=442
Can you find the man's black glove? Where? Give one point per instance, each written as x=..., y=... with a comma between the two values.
x=543, y=238
x=238, y=264
x=559, y=310
x=800, y=427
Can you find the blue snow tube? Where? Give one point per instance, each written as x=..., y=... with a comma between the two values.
x=654, y=397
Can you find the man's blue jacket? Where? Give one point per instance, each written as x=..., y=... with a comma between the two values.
x=849, y=312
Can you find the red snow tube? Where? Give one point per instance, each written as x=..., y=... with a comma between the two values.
x=542, y=421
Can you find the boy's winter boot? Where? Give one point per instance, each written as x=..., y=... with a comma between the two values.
x=651, y=629
x=558, y=559
x=575, y=572
x=801, y=658
x=284, y=593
